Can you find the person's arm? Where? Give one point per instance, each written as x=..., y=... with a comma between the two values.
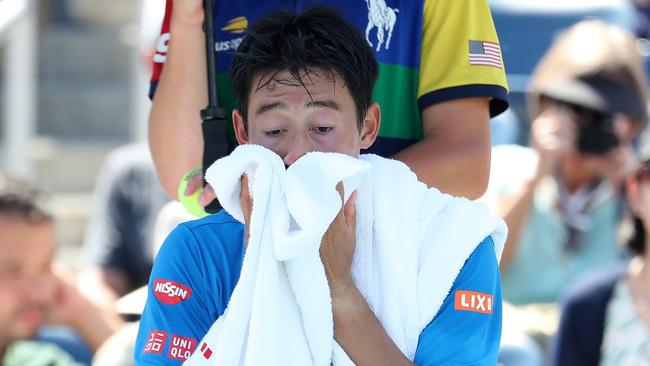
x=356, y=328
x=552, y=135
x=514, y=210
x=467, y=328
x=457, y=97
x=454, y=155
x=359, y=332
x=93, y=318
x=174, y=123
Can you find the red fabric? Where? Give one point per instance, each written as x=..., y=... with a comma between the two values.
x=161, y=45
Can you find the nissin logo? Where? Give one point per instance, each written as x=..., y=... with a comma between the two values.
x=474, y=301
x=170, y=292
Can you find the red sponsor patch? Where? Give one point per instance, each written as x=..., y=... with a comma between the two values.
x=155, y=342
x=181, y=348
x=474, y=301
x=170, y=292
x=206, y=351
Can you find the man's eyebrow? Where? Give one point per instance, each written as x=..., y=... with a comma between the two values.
x=267, y=107
x=324, y=104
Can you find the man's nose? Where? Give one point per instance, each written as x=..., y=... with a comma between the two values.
x=298, y=147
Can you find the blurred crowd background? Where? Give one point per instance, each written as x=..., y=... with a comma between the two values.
x=84, y=65
x=74, y=77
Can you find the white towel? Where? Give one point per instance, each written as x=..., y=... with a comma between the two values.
x=411, y=244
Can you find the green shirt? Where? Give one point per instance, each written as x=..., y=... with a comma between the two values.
x=32, y=353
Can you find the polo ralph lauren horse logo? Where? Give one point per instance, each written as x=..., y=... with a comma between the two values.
x=383, y=18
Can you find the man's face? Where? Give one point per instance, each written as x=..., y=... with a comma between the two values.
x=26, y=281
x=283, y=117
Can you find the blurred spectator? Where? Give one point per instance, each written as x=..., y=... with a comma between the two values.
x=606, y=316
x=558, y=196
x=32, y=292
x=119, y=239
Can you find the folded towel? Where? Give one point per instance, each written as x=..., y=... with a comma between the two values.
x=411, y=244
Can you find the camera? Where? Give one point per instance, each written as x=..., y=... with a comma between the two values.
x=596, y=134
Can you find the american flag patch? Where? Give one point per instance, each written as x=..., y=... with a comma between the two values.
x=485, y=53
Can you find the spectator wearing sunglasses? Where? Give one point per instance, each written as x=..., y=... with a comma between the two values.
x=606, y=316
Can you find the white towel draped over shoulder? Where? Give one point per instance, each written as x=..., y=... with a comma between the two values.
x=411, y=244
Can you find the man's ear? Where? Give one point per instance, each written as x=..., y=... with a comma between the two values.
x=240, y=127
x=370, y=127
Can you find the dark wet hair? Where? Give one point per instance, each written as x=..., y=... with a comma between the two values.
x=319, y=39
x=21, y=199
x=636, y=242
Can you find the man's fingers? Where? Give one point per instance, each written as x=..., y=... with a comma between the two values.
x=245, y=199
x=244, y=193
x=207, y=195
x=350, y=210
x=193, y=184
x=340, y=189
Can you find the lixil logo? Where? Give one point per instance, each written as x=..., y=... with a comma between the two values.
x=474, y=301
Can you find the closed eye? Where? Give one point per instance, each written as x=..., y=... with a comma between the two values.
x=273, y=133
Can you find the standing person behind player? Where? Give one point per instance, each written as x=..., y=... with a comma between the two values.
x=441, y=78
x=302, y=91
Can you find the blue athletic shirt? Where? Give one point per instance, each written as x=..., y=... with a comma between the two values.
x=198, y=266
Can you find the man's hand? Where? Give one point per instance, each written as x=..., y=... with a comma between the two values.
x=356, y=328
x=337, y=246
x=94, y=321
x=196, y=182
x=69, y=304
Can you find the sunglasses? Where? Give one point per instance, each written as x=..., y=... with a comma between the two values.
x=643, y=174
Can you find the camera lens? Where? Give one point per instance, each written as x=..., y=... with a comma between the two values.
x=596, y=135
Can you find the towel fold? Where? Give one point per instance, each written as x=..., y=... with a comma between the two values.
x=411, y=244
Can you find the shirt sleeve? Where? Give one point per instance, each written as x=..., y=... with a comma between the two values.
x=461, y=55
x=467, y=328
x=180, y=307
